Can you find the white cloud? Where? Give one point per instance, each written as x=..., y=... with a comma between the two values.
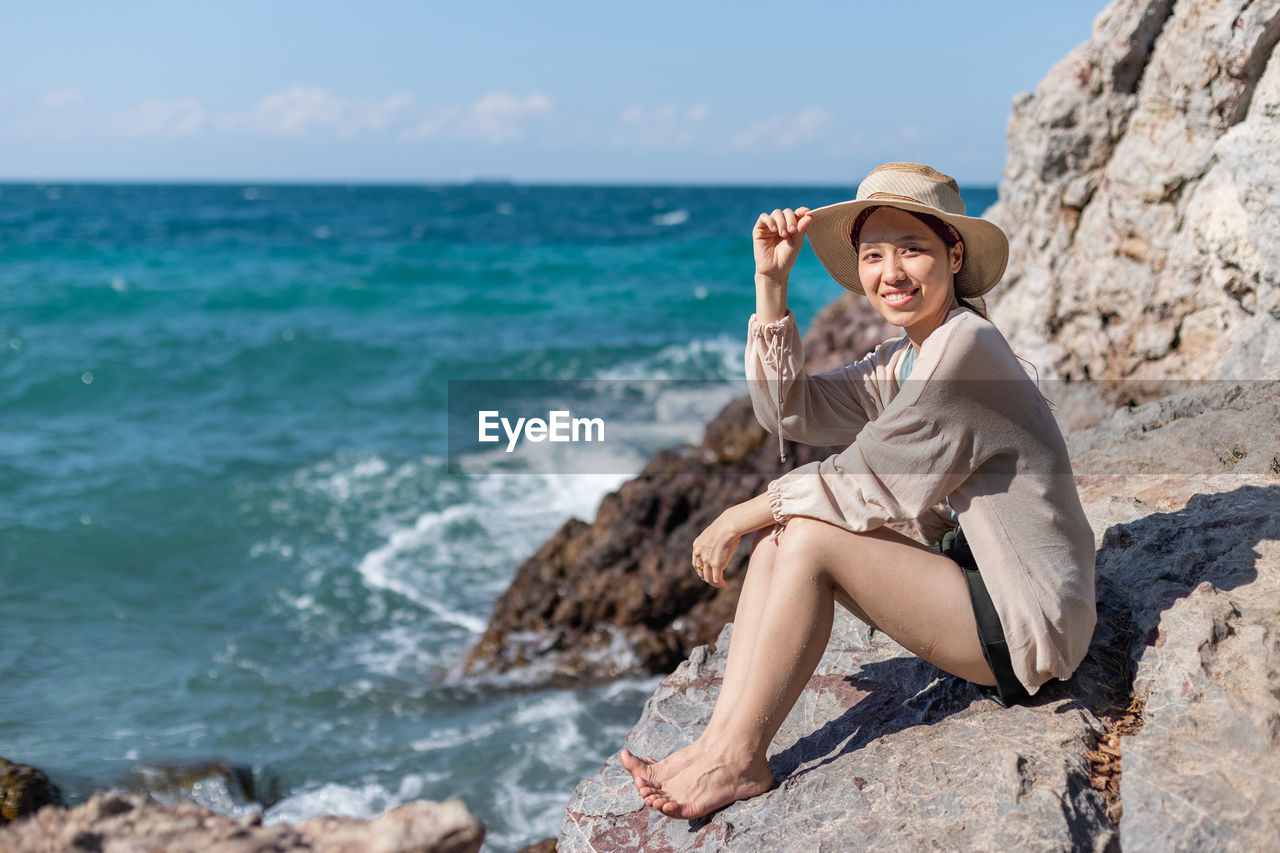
x=161, y=117
x=784, y=131
x=300, y=109
x=57, y=98
x=54, y=114
x=665, y=126
x=68, y=113
x=496, y=117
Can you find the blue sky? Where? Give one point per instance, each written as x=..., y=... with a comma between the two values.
x=741, y=92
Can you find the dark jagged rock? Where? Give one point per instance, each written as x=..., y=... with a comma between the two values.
x=619, y=595
x=24, y=790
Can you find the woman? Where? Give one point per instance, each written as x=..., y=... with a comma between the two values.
x=968, y=440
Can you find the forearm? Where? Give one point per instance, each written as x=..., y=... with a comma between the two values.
x=751, y=515
x=771, y=297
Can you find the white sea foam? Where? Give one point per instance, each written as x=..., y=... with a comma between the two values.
x=622, y=456
x=434, y=553
x=381, y=570
x=674, y=217
x=364, y=801
x=343, y=480
x=543, y=743
x=710, y=359
x=449, y=738
x=401, y=651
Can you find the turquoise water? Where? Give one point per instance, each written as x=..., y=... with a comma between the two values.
x=226, y=524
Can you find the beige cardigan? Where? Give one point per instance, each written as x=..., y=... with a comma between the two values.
x=969, y=426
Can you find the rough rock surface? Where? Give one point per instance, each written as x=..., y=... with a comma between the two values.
x=884, y=750
x=617, y=595
x=133, y=823
x=1142, y=198
x=879, y=752
x=24, y=790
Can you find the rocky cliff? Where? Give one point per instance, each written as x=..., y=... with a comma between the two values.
x=1142, y=198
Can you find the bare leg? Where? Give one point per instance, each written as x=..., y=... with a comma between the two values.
x=909, y=591
x=645, y=772
x=746, y=622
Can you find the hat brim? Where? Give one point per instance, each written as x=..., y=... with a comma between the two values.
x=986, y=248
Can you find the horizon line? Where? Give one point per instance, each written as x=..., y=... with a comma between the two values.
x=413, y=182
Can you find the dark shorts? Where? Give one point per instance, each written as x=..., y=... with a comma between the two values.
x=1008, y=690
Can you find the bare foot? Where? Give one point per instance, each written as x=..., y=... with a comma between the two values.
x=645, y=772
x=709, y=783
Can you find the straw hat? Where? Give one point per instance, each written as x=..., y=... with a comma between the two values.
x=916, y=188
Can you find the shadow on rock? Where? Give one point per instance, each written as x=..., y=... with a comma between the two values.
x=1146, y=566
x=888, y=696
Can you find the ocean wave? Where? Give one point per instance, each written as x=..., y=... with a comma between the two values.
x=382, y=568
x=711, y=359
x=394, y=565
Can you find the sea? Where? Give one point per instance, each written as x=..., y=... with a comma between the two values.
x=229, y=529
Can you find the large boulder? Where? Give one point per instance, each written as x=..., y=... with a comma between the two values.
x=1166, y=738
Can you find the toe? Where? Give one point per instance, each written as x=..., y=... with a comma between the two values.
x=630, y=760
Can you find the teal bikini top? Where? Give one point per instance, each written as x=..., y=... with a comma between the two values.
x=907, y=362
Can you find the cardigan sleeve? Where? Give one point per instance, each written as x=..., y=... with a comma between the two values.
x=820, y=409
x=917, y=451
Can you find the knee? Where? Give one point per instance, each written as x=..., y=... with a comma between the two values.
x=801, y=544
x=801, y=534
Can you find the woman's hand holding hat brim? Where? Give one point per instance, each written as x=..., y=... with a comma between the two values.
x=777, y=239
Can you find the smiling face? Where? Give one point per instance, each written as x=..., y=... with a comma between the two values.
x=907, y=271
